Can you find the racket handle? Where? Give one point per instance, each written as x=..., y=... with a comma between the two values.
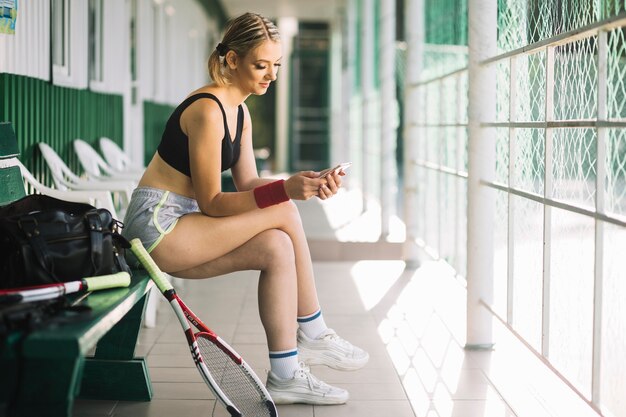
x=120, y=279
x=148, y=263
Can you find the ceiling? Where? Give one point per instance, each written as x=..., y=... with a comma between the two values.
x=311, y=10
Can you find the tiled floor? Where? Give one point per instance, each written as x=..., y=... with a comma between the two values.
x=411, y=322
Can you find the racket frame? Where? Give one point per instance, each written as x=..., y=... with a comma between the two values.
x=187, y=318
x=182, y=312
x=50, y=291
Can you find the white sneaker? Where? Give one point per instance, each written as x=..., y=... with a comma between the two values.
x=331, y=350
x=304, y=388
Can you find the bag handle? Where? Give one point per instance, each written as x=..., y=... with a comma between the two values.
x=95, y=235
x=29, y=226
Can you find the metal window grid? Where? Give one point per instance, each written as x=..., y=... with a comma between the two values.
x=561, y=123
x=583, y=167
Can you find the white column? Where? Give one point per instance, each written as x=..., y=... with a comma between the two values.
x=414, y=35
x=388, y=112
x=348, y=69
x=288, y=27
x=601, y=170
x=119, y=65
x=336, y=85
x=481, y=167
x=367, y=85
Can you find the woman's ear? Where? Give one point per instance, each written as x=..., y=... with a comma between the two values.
x=231, y=59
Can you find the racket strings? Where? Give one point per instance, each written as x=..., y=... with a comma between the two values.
x=233, y=380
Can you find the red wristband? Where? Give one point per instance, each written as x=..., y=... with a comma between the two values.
x=270, y=194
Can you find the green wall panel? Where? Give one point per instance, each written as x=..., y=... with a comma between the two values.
x=42, y=112
x=155, y=116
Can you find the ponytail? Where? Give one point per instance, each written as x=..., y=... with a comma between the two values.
x=216, y=68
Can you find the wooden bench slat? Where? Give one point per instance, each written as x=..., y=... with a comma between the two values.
x=71, y=339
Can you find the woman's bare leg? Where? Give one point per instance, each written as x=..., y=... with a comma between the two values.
x=307, y=292
x=270, y=240
x=270, y=252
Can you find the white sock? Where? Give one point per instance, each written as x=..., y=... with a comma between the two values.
x=312, y=325
x=284, y=363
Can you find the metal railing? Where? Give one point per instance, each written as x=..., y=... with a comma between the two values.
x=581, y=168
x=560, y=186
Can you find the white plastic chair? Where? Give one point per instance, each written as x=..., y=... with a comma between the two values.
x=116, y=157
x=65, y=179
x=97, y=198
x=96, y=167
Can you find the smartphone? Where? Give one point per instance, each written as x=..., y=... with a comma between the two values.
x=340, y=167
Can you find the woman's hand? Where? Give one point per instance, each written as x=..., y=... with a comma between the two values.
x=303, y=185
x=306, y=184
x=330, y=185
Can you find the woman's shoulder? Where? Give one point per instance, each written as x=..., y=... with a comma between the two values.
x=202, y=103
x=201, y=112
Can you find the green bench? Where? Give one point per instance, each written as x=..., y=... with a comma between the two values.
x=44, y=370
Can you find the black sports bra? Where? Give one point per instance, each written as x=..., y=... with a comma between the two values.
x=174, y=146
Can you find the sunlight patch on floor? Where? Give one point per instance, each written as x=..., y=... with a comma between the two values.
x=423, y=340
x=374, y=278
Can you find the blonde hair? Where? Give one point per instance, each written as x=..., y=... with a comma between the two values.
x=242, y=35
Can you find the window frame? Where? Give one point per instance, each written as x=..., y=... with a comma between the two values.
x=72, y=72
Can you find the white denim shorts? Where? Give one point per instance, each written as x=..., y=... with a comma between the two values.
x=152, y=214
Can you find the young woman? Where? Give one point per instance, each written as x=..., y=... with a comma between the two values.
x=194, y=230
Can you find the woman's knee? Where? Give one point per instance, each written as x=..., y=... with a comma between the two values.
x=276, y=248
x=289, y=213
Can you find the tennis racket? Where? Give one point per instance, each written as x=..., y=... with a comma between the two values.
x=50, y=291
x=230, y=378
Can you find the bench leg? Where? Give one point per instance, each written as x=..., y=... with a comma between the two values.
x=116, y=380
x=114, y=372
x=40, y=395
x=120, y=341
